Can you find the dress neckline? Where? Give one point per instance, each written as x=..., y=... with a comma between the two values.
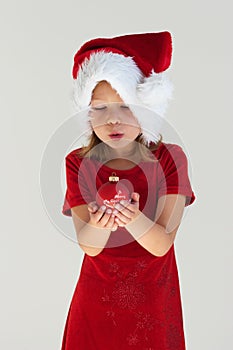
x=109, y=169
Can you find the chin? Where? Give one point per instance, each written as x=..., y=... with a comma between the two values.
x=119, y=144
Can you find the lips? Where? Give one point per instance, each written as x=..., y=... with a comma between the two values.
x=116, y=135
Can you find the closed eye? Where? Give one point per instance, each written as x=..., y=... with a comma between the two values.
x=125, y=106
x=99, y=108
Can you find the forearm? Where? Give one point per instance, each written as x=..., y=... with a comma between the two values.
x=92, y=239
x=150, y=235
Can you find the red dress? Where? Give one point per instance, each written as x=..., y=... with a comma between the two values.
x=125, y=297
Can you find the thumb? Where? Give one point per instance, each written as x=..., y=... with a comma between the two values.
x=92, y=207
x=135, y=196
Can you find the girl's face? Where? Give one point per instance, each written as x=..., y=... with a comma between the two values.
x=111, y=119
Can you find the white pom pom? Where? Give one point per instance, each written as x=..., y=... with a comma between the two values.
x=155, y=92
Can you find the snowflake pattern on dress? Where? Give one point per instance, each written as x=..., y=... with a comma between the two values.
x=132, y=339
x=127, y=294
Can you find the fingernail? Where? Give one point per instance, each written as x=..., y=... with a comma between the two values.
x=108, y=211
x=103, y=207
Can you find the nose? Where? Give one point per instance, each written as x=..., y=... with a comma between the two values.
x=113, y=117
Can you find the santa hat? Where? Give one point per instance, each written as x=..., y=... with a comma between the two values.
x=135, y=66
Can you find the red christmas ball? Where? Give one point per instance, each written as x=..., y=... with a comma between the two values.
x=112, y=192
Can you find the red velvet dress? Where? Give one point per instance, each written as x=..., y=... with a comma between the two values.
x=126, y=298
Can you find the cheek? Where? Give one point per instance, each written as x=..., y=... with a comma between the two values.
x=134, y=130
x=99, y=131
x=132, y=123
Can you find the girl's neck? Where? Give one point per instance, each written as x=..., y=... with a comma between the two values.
x=124, y=159
x=120, y=164
x=124, y=152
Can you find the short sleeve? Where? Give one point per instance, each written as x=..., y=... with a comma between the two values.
x=173, y=175
x=77, y=191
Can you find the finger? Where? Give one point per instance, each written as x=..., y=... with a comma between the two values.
x=119, y=222
x=115, y=226
x=105, y=218
x=92, y=207
x=96, y=217
x=122, y=218
x=134, y=206
x=111, y=221
x=125, y=211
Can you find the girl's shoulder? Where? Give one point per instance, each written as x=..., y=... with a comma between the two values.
x=75, y=154
x=167, y=149
x=74, y=159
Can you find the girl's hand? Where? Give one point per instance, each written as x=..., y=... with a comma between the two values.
x=101, y=217
x=126, y=212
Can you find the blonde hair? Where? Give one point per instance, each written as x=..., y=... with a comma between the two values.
x=102, y=153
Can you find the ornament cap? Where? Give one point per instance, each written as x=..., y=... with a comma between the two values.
x=113, y=177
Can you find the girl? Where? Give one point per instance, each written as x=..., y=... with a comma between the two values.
x=127, y=295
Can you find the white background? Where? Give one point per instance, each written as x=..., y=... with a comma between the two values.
x=39, y=266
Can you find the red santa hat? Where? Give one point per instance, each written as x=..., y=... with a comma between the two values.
x=135, y=66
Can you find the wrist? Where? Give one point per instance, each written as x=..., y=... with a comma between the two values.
x=139, y=226
x=93, y=236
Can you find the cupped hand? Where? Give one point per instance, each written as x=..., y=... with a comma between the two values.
x=101, y=217
x=125, y=212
